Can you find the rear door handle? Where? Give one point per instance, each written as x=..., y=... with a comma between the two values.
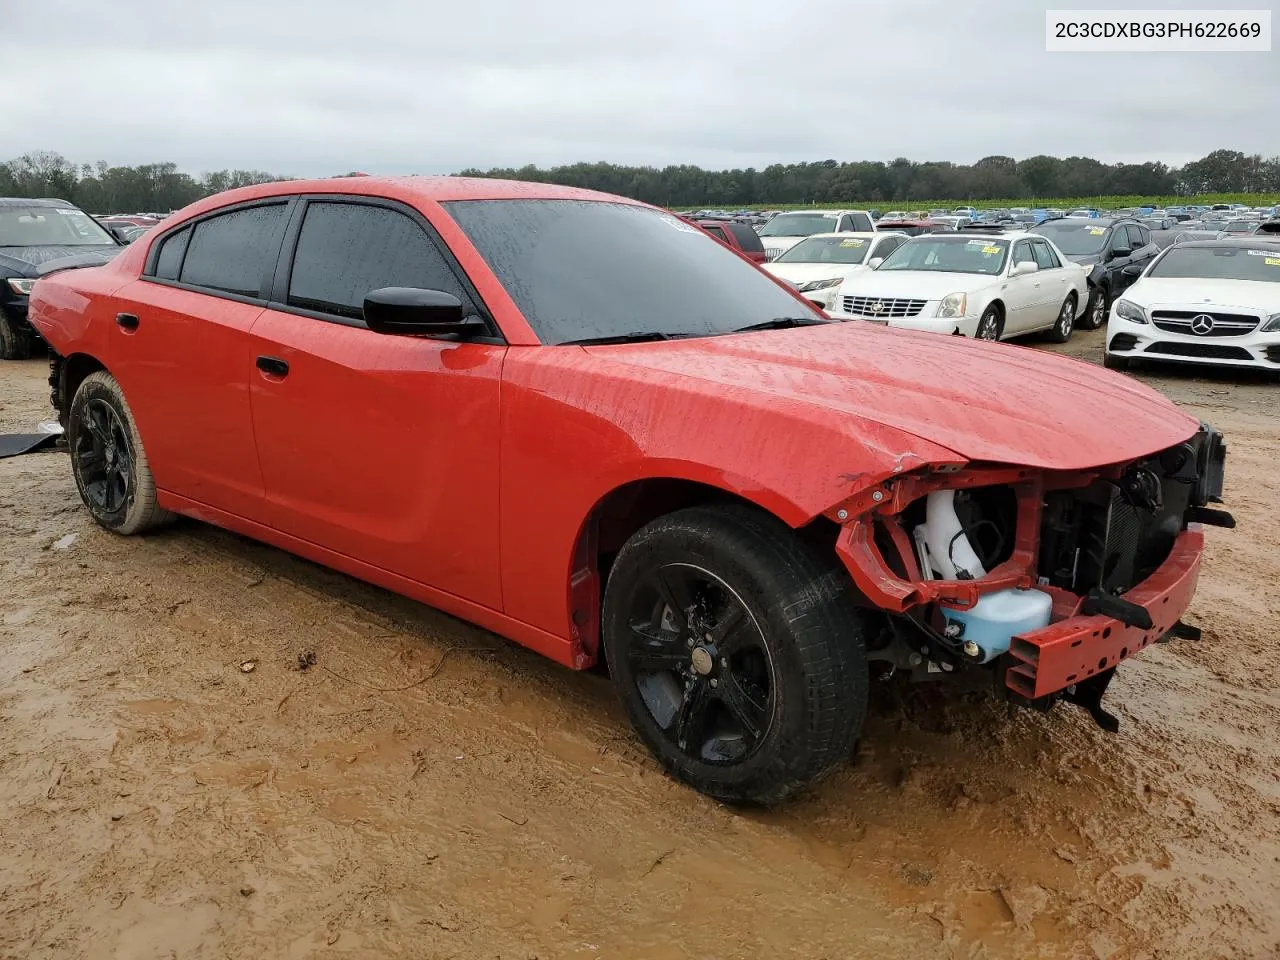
x=127, y=321
x=273, y=366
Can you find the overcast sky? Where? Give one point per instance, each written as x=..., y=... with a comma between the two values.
x=405, y=86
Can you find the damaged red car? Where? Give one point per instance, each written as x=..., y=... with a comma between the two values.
x=581, y=423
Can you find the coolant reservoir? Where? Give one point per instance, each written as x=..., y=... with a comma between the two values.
x=999, y=617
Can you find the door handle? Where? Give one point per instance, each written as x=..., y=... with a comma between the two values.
x=273, y=366
x=127, y=322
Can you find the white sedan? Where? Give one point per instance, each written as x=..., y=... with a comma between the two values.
x=1206, y=301
x=817, y=265
x=990, y=287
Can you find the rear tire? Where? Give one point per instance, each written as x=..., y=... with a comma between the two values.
x=1066, y=322
x=110, y=466
x=15, y=339
x=737, y=652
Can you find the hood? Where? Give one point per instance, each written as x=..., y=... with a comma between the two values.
x=1195, y=293
x=913, y=284
x=984, y=401
x=804, y=272
x=36, y=261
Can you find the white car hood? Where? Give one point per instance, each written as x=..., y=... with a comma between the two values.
x=913, y=284
x=1253, y=296
x=804, y=272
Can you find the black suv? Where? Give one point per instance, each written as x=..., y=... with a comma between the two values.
x=38, y=237
x=1114, y=251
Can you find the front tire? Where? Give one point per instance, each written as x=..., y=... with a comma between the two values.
x=110, y=466
x=990, y=325
x=737, y=652
x=1095, y=312
x=15, y=340
x=1066, y=322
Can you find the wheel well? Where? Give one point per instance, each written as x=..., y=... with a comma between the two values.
x=71, y=372
x=999, y=305
x=617, y=517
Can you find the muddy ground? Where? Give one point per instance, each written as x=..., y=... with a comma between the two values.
x=428, y=790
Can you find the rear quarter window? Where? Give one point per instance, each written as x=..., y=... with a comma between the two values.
x=235, y=252
x=748, y=239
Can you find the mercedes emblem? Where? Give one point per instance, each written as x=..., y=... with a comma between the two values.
x=1201, y=324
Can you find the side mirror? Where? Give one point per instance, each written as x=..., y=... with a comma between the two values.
x=119, y=235
x=410, y=311
x=1118, y=252
x=1133, y=271
x=1025, y=267
x=875, y=262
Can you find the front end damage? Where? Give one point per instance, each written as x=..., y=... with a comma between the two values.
x=1032, y=583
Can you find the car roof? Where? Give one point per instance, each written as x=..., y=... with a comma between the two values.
x=1237, y=243
x=846, y=235
x=431, y=189
x=35, y=202
x=811, y=212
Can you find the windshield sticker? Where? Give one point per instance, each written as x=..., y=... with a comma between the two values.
x=1272, y=261
x=852, y=243
x=1096, y=231
x=680, y=225
x=67, y=213
x=977, y=243
x=990, y=251
x=829, y=216
x=1261, y=253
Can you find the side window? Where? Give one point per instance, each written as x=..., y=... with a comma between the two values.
x=1120, y=239
x=235, y=252
x=717, y=232
x=887, y=246
x=172, y=250
x=346, y=250
x=1139, y=236
x=1045, y=256
x=858, y=222
x=1022, y=252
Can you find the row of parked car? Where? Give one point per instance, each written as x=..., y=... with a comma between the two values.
x=1004, y=277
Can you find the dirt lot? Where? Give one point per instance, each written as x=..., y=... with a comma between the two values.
x=428, y=790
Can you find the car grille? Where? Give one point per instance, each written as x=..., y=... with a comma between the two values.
x=879, y=308
x=774, y=252
x=1208, y=351
x=1196, y=324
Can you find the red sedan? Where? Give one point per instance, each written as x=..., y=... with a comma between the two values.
x=580, y=422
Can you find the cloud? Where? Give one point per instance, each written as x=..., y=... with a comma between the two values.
x=396, y=86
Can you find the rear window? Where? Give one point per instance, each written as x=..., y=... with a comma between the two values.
x=748, y=239
x=235, y=252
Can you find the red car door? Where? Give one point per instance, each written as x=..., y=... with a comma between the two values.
x=183, y=356
x=382, y=448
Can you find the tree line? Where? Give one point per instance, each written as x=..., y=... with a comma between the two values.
x=161, y=187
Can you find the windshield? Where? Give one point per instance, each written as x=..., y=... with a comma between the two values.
x=580, y=269
x=1219, y=263
x=940, y=254
x=1242, y=226
x=50, y=227
x=1074, y=239
x=827, y=250
x=799, y=224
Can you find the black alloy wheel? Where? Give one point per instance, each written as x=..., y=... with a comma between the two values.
x=105, y=456
x=700, y=663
